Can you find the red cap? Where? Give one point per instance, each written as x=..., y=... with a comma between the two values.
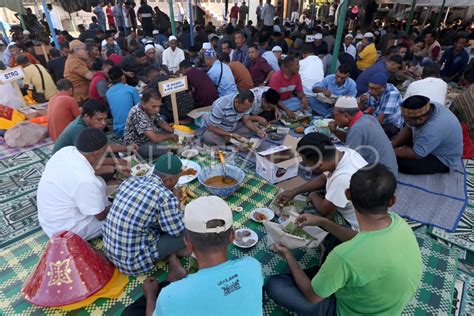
x=69, y=271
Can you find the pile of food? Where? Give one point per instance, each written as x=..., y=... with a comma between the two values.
x=188, y=172
x=186, y=197
x=259, y=216
x=293, y=229
x=242, y=238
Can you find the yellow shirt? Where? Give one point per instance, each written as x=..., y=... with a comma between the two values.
x=33, y=79
x=367, y=57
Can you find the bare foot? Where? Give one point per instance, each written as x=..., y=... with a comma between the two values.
x=176, y=270
x=185, y=252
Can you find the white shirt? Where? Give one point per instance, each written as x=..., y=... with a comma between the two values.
x=311, y=71
x=55, y=20
x=172, y=58
x=434, y=88
x=126, y=17
x=268, y=14
x=351, y=50
x=70, y=195
x=339, y=181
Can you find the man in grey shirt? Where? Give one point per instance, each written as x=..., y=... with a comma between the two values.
x=365, y=134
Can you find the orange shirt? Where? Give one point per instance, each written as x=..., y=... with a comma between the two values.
x=75, y=70
x=62, y=110
x=242, y=76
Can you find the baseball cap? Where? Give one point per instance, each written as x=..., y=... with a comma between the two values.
x=204, y=209
x=369, y=34
x=346, y=102
x=172, y=38
x=277, y=49
x=210, y=53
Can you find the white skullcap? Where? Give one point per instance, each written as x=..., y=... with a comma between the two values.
x=369, y=34
x=318, y=36
x=345, y=102
x=148, y=47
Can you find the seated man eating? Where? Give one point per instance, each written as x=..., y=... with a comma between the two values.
x=230, y=118
x=221, y=286
x=336, y=167
x=146, y=128
x=431, y=142
x=70, y=195
x=145, y=224
x=373, y=272
x=265, y=105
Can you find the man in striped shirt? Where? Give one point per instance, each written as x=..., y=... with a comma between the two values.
x=230, y=118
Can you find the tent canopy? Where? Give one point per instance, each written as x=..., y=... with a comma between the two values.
x=14, y=5
x=432, y=3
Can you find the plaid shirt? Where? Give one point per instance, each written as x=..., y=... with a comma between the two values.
x=389, y=105
x=142, y=210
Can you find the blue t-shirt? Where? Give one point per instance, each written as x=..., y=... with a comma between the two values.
x=227, y=84
x=329, y=83
x=121, y=99
x=231, y=288
x=363, y=79
x=440, y=136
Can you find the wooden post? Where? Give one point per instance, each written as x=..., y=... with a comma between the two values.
x=170, y=88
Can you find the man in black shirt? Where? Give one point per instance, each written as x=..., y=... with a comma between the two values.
x=58, y=60
x=145, y=15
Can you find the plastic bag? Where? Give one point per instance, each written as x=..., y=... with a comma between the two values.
x=277, y=234
x=25, y=134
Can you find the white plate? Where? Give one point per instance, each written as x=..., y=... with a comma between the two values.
x=189, y=153
x=253, y=235
x=268, y=213
x=190, y=164
x=137, y=168
x=256, y=142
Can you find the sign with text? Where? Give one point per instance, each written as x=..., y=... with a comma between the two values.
x=173, y=86
x=310, y=38
x=11, y=74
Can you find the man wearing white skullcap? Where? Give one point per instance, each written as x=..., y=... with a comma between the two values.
x=366, y=52
x=173, y=55
x=365, y=134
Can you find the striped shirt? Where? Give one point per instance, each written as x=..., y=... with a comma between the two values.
x=389, y=105
x=224, y=115
x=142, y=210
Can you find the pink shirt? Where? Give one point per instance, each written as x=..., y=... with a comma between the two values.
x=284, y=86
x=62, y=110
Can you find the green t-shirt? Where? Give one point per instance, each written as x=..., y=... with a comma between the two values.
x=69, y=136
x=375, y=273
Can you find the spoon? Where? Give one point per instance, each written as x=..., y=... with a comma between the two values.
x=225, y=178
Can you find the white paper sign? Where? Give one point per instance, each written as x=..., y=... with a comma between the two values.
x=310, y=38
x=174, y=85
x=11, y=74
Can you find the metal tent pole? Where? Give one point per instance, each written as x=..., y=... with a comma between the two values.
x=173, y=26
x=50, y=24
x=438, y=17
x=340, y=28
x=191, y=22
x=410, y=17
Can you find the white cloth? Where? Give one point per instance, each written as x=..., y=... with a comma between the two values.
x=172, y=58
x=351, y=50
x=70, y=195
x=268, y=14
x=311, y=71
x=126, y=17
x=10, y=97
x=339, y=181
x=434, y=88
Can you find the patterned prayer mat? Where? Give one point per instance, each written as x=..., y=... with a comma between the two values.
x=464, y=294
x=434, y=296
x=19, y=177
x=441, y=198
x=6, y=151
x=463, y=236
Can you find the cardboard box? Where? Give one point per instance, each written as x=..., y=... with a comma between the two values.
x=279, y=163
x=36, y=110
x=199, y=115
